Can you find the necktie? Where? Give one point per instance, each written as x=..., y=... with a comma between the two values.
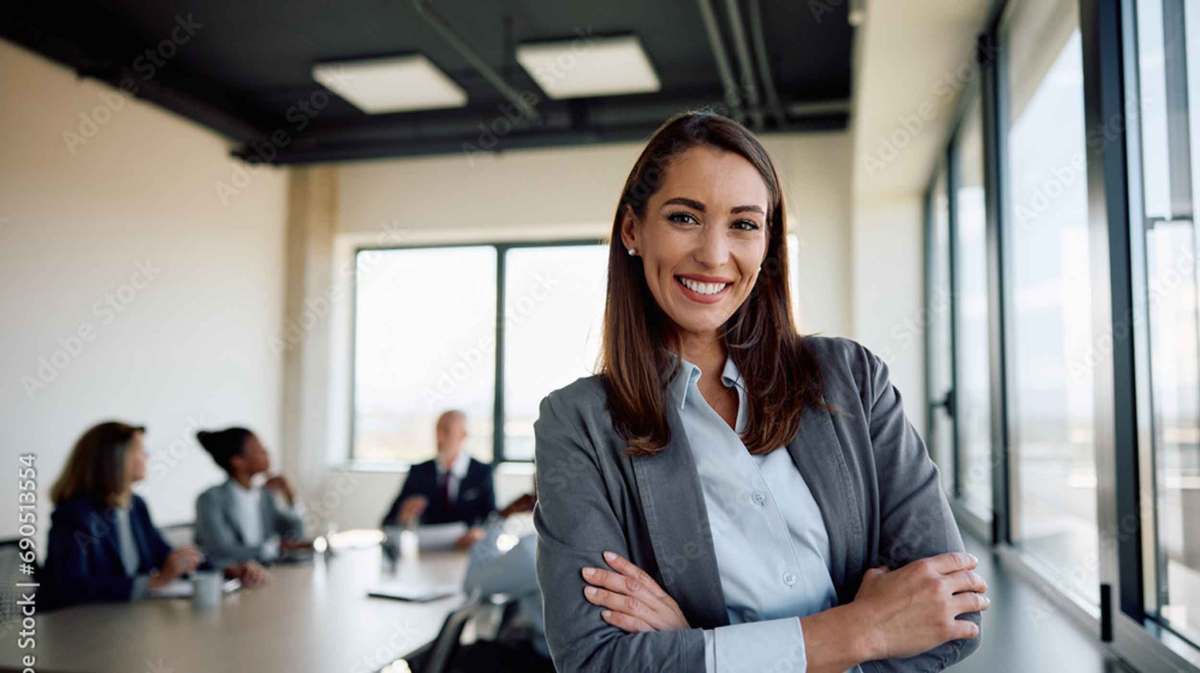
x=445, y=489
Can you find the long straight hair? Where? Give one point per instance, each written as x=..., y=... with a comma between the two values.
x=96, y=468
x=636, y=364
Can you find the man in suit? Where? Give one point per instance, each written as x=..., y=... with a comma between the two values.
x=451, y=487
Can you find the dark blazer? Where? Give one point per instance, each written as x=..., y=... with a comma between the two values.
x=868, y=470
x=83, y=558
x=219, y=533
x=475, y=500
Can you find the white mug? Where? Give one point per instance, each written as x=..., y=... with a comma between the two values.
x=206, y=589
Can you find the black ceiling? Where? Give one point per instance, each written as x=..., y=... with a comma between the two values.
x=243, y=67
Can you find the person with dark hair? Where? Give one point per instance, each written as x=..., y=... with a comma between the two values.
x=239, y=521
x=103, y=545
x=450, y=488
x=728, y=494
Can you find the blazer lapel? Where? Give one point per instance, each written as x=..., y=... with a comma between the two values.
x=227, y=507
x=677, y=521
x=817, y=454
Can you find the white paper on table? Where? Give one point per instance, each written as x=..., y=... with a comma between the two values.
x=440, y=536
x=182, y=588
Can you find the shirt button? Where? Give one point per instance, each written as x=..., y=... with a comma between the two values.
x=758, y=498
x=789, y=578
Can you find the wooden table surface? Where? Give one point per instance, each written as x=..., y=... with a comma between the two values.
x=311, y=617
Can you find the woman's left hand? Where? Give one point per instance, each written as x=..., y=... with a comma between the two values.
x=633, y=601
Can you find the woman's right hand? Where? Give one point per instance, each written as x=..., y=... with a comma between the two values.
x=913, y=609
x=179, y=562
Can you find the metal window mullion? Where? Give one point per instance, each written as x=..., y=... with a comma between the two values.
x=498, y=391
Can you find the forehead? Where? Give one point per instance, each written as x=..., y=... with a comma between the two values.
x=715, y=177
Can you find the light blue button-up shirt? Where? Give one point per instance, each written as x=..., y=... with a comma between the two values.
x=770, y=540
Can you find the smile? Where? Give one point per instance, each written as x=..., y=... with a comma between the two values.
x=702, y=291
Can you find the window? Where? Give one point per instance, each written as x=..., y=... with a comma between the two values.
x=1050, y=393
x=1168, y=81
x=553, y=309
x=404, y=376
x=426, y=338
x=938, y=309
x=972, y=369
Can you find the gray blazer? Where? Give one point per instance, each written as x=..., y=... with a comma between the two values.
x=868, y=470
x=219, y=535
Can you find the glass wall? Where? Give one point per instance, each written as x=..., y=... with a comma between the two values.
x=939, y=307
x=972, y=372
x=1168, y=58
x=1050, y=396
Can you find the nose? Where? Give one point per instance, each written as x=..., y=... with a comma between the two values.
x=712, y=249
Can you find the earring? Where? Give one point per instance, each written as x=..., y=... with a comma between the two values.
x=633, y=252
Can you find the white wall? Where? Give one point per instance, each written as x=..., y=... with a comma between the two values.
x=129, y=288
x=889, y=318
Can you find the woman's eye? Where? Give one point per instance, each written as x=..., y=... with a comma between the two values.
x=682, y=218
x=746, y=225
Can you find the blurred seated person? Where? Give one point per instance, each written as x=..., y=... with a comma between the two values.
x=239, y=520
x=450, y=488
x=504, y=562
x=102, y=544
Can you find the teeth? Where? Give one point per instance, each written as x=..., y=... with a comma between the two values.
x=702, y=288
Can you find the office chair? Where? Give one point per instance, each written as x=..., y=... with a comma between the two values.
x=438, y=659
x=10, y=575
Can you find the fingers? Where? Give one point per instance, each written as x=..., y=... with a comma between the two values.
x=964, y=629
x=961, y=604
x=627, y=567
x=624, y=604
x=950, y=562
x=965, y=580
x=625, y=622
x=628, y=595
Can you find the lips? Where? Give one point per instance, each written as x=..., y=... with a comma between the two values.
x=702, y=289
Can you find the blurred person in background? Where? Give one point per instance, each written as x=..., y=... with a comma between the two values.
x=102, y=544
x=452, y=487
x=240, y=520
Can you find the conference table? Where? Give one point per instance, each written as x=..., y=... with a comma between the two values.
x=313, y=616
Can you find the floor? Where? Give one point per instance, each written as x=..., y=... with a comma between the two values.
x=1025, y=632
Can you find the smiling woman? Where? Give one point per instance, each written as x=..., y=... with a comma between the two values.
x=728, y=494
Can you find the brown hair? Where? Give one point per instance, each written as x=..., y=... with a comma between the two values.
x=96, y=467
x=781, y=374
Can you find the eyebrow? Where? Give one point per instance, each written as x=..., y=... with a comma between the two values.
x=696, y=205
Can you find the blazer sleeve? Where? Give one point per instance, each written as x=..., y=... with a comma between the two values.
x=487, y=503
x=389, y=519
x=73, y=573
x=159, y=549
x=288, y=521
x=576, y=523
x=915, y=518
x=214, y=535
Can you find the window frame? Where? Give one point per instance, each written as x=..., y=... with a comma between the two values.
x=501, y=247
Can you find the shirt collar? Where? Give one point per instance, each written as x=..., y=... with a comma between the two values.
x=459, y=467
x=681, y=385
